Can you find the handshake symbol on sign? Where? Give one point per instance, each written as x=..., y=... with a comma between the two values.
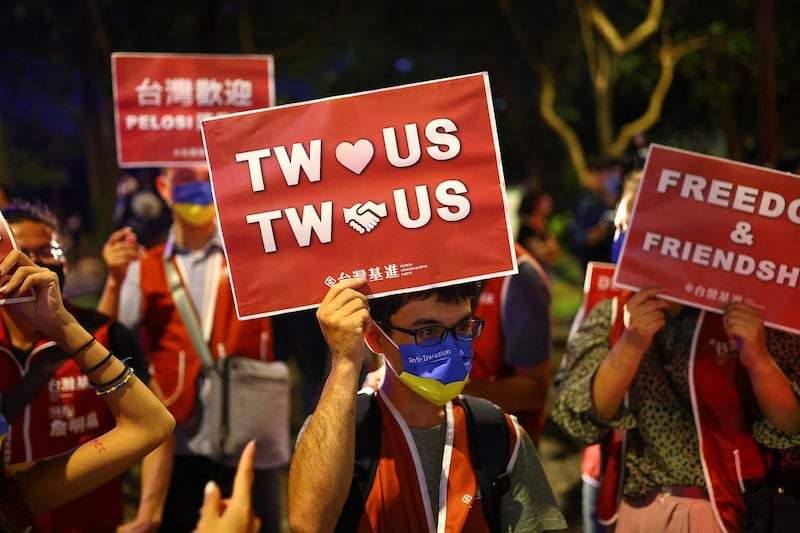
x=364, y=217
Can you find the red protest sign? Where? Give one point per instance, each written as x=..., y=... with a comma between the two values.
x=402, y=186
x=160, y=100
x=598, y=284
x=7, y=243
x=713, y=231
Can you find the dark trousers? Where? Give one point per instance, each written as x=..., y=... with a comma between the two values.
x=189, y=478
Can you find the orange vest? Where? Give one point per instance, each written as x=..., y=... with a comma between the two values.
x=174, y=362
x=487, y=360
x=488, y=363
x=399, y=499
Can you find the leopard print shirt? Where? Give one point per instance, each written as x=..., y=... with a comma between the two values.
x=662, y=443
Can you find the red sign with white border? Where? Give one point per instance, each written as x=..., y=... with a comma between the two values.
x=712, y=231
x=160, y=100
x=7, y=243
x=402, y=186
x=597, y=286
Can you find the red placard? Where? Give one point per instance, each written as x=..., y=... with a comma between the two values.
x=402, y=186
x=597, y=285
x=712, y=231
x=7, y=243
x=160, y=100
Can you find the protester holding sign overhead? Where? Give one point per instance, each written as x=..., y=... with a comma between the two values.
x=701, y=394
x=426, y=471
x=175, y=338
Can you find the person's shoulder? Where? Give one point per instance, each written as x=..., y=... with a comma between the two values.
x=606, y=305
x=599, y=316
x=528, y=270
x=783, y=345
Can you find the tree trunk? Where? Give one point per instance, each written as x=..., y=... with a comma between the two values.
x=767, y=130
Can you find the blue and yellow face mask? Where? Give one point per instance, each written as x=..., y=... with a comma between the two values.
x=194, y=203
x=437, y=373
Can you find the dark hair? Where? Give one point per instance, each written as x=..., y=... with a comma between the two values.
x=21, y=211
x=530, y=199
x=384, y=307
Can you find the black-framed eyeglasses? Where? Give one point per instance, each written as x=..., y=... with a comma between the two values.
x=46, y=252
x=466, y=330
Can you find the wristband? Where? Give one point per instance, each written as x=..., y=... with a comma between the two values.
x=82, y=348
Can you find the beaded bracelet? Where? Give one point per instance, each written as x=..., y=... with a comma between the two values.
x=98, y=365
x=107, y=383
x=129, y=375
x=82, y=348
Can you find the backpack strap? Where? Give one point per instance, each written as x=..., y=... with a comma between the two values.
x=489, y=443
x=368, y=452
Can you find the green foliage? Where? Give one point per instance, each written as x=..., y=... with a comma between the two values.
x=31, y=171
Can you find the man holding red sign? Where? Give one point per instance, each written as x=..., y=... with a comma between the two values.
x=427, y=469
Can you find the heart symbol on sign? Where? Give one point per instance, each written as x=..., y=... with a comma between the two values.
x=355, y=157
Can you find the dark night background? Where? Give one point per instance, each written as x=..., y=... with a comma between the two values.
x=56, y=116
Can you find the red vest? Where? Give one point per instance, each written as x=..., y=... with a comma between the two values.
x=15, y=515
x=174, y=362
x=398, y=500
x=725, y=409
x=488, y=363
x=487, y=360
x=62, y=416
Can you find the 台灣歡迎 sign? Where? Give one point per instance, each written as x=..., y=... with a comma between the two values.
x=402, y=186
x=161, y=99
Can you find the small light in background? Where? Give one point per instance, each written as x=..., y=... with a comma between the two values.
x=404, y=65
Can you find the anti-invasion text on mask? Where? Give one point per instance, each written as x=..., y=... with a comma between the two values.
x=429, y=357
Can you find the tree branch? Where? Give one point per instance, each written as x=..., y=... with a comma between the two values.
x=587, y=35
x=547, y=100
x=635, y=38
x=669, y=57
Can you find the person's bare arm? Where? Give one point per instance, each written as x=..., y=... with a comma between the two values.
x=644, y=316
x=119, y=250
x=526, y=326
x=546, y=249
x=156, y=472
x=776, y=399
x=322, y=465
x=142, y=421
